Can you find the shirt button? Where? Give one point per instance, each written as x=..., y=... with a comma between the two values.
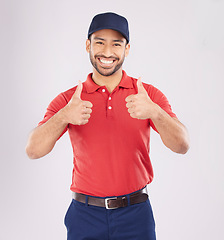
x=103, y=90
x=109, y=98
x=109, y=107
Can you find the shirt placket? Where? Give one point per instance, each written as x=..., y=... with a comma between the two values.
x=109, y=103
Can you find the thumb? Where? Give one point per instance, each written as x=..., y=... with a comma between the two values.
x=140, y=85
x=78, y=90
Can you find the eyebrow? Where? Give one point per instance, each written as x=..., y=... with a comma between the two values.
x=102, y=39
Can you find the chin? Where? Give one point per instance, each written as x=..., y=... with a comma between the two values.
x=108, y=72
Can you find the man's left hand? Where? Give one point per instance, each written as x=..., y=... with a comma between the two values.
x=140, y=105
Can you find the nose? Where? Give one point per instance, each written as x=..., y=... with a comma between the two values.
x=107, y=51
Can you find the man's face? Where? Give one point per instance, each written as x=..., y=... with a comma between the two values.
x=107, y=49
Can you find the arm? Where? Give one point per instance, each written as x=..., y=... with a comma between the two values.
x=43, y=138
x=172, y=132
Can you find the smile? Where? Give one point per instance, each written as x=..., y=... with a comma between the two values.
x=106, y=61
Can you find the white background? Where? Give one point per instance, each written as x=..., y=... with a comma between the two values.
x=176, y=45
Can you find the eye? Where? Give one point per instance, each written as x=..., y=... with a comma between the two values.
x=117, y=45
x=99, y=42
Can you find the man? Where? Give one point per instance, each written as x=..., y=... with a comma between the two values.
x=109, y=118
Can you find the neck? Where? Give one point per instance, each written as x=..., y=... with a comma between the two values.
x=110, y=82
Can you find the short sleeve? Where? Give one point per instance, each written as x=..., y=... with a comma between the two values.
x=159, y=98
x=56, y=104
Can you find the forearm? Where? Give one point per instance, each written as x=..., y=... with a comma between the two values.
x=172, y=132
x=43, y=138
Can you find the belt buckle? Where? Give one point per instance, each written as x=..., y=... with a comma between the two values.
x=106, y=203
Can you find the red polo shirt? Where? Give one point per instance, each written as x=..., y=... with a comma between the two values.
x=111, y=151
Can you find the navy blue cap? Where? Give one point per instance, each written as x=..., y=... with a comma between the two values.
x=109, y=20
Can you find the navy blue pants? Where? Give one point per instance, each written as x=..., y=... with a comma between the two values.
x=134, y=222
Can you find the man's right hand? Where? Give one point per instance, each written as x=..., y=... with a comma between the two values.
x=43, y=138
x=77, y=111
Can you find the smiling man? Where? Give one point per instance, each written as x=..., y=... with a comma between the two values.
x=99, y=50
x=107, y=50
x=108, y=118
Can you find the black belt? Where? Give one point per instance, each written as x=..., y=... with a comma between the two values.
x=113, y=202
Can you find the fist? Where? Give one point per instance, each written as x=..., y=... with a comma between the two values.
x=140, y=105
x=78, y=111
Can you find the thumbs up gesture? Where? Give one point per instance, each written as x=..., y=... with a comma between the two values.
x=140, y=105
x=77, y=111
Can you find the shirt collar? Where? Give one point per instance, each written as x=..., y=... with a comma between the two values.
x=91, y=86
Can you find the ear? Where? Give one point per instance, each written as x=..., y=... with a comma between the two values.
x=88, y=45
x=127, y=48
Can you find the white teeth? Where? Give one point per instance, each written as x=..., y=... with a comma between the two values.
x=106, y=62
